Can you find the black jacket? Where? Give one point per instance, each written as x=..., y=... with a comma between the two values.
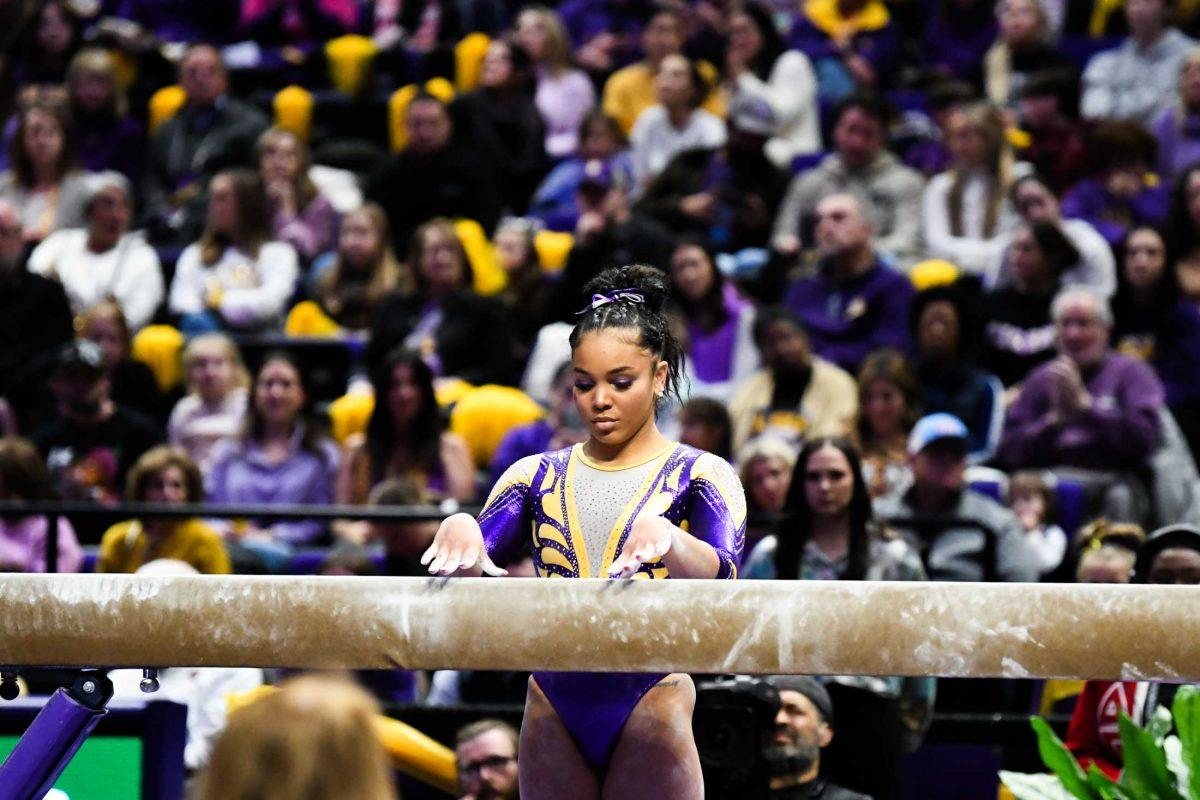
x=35, y=321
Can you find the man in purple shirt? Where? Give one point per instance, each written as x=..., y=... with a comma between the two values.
x=855, y=303
x=1090, y=412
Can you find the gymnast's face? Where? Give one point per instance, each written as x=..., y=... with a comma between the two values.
x=616, y=383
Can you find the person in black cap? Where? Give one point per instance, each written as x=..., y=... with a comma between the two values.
x=803, y=726
x=94, y=441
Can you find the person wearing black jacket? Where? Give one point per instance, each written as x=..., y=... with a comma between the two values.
x=433, y=176
x=461, y=333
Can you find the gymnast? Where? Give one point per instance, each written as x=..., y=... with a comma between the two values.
x=627, y=503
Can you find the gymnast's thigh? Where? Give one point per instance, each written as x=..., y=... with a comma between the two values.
x=550, y=764
x=656, y=756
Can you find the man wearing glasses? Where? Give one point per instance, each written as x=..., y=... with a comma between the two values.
x=487, y=760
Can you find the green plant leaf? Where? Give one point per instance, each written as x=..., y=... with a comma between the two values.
x=1186, y=709
x=1159, y=725
x=1106, y=786
x=1059, y=760
x=1146, y=774
x=1034, y=787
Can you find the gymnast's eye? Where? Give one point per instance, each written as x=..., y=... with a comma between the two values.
x=623, y=384
x=583, y=386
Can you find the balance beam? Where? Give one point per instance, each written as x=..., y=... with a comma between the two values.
x=815, y=627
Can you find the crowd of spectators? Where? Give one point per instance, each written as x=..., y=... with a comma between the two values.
x=936, y=266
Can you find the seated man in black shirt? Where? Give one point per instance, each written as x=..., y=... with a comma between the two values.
x=92, y=444
x=803, y=727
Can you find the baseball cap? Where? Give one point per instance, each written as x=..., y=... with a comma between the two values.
x=810, y=688
x=935, y=428
x=80, y=357
x=1166, y=538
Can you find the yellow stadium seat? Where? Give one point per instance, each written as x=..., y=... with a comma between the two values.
x=164, y=104
x=483, y=417
x=553, y=247
x=349, y=414
x=160, y=347
x=294, y=111
x=489, y=278
x=468, y=60
x=308, y=319
x=350, y=58
x=931, y=273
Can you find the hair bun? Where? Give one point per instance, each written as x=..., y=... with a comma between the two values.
x=650, y=281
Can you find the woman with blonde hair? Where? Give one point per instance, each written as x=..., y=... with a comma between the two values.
x=314, y=738
x=1177, y=127
x=238, y=275
x=1023, y=47
x=215, y=405
x=168, y=476
x=351, y=284
x=300, y=214
x=109, y=137
x=889, y=400
x=966, y=214
x=564, y=92
x=42, y=181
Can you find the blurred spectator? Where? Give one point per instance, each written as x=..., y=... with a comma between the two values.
x=856, y=302
x=1032, y=499
x=676, y=122
x=827, y=533
x=35, y=319
x=1019, y=333
x=765, y=466
x=607, y=234
x=631, y=90
x=303, y=24
x=236, y=276
x=860, y=166
x=23, y=478
x=108, y=136
x=961, y=534
x=803, y=727
x=104, y=261
x=946, y=330
x=1090, y=409
x=561, y=427
x=486, y=754
x=215, y=405
x=1123, y=189
x=565, y=96
x=796, y=395
x=48, y=44
x=406, y=438
x=600, y=139
x=42, y=182
x=427, y=31
x=1177, y=127
x=1152, y=321
x=1035, y=202
x=728, y=195
x=957, y=37
x=527, y=289
x=1140, y=77
x=778, y=83
x=351, y=284
x=720, y=351
x=965, y=209
x=852, y=44
x=1184, y=232
x=458, y=332
x=889, y=404
x=704, y=424
x=169, y=477
x=501, y=124
x=213, y=131
x=455, y=181
x=180, y=21
x=300, y=215
x=928, y=152
x=1170, y=556
x=93, y=442
x=282, y=457
x=1025, y=46
x=314, y=738
x=1107, y=551
x=404, y=541
x=133, y=384
x=1057, y=148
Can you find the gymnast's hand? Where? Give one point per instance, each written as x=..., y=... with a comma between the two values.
x=458, y=545
x=649, y=540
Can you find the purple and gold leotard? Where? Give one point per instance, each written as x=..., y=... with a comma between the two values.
x=576, y=515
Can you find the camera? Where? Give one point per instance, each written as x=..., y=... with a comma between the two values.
x=733, y=718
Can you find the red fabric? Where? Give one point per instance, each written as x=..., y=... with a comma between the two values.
x=1092, y=735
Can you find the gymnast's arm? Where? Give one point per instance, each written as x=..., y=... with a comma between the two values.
x=467, y=546
x=712, y=545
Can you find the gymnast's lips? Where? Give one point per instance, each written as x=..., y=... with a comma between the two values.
x=604, y=423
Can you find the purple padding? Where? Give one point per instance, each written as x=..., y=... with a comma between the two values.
x=46, y=748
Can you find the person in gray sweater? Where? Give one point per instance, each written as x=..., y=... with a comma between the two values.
x=861, y=166
x=961, y=535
